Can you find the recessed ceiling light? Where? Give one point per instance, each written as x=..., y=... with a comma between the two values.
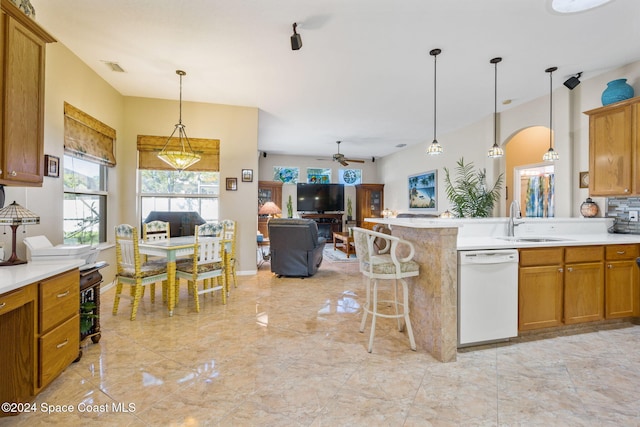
x=506, y=102
x=575, y=6
x=401, y=145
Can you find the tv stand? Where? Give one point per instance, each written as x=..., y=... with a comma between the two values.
x=327, y=223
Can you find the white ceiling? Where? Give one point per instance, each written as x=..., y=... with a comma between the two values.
x=364, y=74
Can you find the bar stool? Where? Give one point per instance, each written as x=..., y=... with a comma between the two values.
x=388, y=265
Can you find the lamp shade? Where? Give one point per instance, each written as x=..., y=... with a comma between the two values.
x=269, y=208
x=14, y=214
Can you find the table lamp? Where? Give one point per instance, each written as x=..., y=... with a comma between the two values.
x=14, y=216
x=270, y=209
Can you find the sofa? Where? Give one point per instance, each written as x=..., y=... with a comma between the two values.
x=296, y=249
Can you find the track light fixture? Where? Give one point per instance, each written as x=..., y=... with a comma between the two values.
x=573, y=81
x=296, y=40
x=495, y=151
x=435, y=148
x=550, y=155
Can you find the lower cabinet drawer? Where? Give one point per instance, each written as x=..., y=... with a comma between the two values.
x=57, y=349
x=59, y=299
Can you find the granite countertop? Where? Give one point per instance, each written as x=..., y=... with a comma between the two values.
x=17, y=276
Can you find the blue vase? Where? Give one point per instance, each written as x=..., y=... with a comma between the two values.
x=617, y=90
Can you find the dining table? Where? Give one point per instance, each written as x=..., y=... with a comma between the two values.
x=173, y=248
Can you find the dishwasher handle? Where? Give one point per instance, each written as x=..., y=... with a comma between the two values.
x=489, y=257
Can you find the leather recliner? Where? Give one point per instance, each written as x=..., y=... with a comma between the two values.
x=296, y=249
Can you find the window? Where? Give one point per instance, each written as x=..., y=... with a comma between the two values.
x=173, y=191
x=85, y=201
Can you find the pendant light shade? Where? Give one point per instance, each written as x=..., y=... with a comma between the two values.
x=435, y=147
x=495, y=151
x=184, y=157
x=551, y=155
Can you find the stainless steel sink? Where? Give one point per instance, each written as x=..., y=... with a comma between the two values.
x=534, y=239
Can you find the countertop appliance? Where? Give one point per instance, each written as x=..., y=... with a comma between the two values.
x=487, y=296
x=39, y=248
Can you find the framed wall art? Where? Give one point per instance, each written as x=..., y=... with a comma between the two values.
x=423, y=191
x=247, y=175
x=232, y=184
x=51, y=166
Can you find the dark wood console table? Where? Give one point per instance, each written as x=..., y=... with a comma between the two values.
x=327, y=224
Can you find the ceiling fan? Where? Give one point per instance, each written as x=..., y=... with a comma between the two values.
x=340, y=157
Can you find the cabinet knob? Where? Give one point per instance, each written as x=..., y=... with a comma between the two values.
x=609, y=266
x=561, y=270
x=14, y=173
x=569, y=269
x=2, y=305
x=626, y=190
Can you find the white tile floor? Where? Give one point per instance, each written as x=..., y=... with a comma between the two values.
x=286, y=352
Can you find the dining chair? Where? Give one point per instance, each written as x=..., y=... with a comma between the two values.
x=206, y=264
x=156, y=230
x=230, y=233
x=132, y=271
x=389, y=265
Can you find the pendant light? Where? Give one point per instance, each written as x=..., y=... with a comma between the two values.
x=185, y=157
x=495, y=151
x=550, y=155
x=435, y=147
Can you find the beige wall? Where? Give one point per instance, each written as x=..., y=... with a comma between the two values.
x=237, y=130
x=571, y=140
x=69, y=79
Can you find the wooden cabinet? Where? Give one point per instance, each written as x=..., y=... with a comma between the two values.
x=540, y=289
x=268, y=191
x=58, y=324
x=622, y=290
x=17, y=348
x=583, y=284
x=369, y=203
x=613, y=149
x=22, y=99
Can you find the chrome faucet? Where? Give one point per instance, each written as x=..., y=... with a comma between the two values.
x=514, y=213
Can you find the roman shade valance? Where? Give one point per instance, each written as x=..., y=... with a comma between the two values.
x=149, y=146
x=87, y=137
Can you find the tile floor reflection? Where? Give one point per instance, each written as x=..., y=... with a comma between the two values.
x=286, y=352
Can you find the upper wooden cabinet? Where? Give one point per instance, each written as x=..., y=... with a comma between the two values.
x=614, y=160
x=369, y=200
x=22, y=98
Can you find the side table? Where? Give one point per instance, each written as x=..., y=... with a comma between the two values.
x=343, y=242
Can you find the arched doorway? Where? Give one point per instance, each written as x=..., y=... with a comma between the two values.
x=527, y=177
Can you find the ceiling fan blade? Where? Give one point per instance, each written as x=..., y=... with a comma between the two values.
x=343, y=163
x=355, y=161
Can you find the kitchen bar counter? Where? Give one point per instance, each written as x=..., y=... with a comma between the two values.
x=433, y=294
x=17, y=276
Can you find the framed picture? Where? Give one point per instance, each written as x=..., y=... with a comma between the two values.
x=423, y=191
x=247, y=175
x=584, y=179
x=232, y=184
x=285, y=174
x=51, y=166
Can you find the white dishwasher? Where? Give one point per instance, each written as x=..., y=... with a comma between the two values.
x=487, y=296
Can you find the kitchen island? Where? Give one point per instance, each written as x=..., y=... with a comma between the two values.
x=433, y=294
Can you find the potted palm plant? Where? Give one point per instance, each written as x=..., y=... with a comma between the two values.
x=469, y=194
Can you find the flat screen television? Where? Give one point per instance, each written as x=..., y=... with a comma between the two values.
x=320, y=197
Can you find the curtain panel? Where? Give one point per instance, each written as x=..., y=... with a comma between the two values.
x=149, y=146
x=88, y=138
